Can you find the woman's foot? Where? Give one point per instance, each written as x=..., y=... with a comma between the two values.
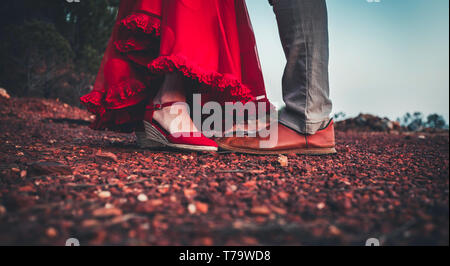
x=177, y=137
x=168, y=122
x=175, y=119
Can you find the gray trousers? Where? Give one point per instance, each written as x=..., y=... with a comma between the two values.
x=303, y=28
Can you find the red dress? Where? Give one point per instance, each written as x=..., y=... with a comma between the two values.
x=211, y=42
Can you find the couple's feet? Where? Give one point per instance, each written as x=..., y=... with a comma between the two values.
x=164, y=128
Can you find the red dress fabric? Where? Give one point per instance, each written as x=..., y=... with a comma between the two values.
x=211, y=42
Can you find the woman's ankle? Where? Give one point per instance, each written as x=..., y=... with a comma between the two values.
x=175, y=119
x=172, y=90
x=169, y=99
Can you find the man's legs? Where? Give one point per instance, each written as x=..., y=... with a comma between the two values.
x=303, y=28
x=305, y=126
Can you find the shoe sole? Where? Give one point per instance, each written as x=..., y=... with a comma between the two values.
x=145, y=143
x=153, y=138
x=303, y=151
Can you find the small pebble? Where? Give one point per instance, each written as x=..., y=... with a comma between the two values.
x=201, y=207
x=283, y=160
x=23, y=173
x=2, y=210
x=15, y=170
x=260, y=210
x=51, y=232
x=104, y=194
x=191, y=208
x=142, y=197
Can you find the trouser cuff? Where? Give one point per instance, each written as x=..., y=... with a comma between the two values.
x=302, y=126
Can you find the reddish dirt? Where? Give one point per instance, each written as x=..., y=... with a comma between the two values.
x=106, y=191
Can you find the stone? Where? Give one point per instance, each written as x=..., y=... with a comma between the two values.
x=260, y=210
x=142, y=197
x=4, y=94
x=107, y=212
x=101, y=157
x=104, y=194
x=48, y=168
x=283, y=160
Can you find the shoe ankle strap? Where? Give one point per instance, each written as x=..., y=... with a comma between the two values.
x=156, y=107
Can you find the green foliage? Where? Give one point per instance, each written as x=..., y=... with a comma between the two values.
x=53, y=48
x=416, y=121
x=340, y=116
x=436, y=121
x=38, y=56
x=89, y=59
x=88, y=26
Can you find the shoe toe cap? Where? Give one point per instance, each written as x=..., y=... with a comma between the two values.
x=192, y=139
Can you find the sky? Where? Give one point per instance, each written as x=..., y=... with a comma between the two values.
x=386, y=58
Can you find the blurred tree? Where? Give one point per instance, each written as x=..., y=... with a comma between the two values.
x=436, y=121
x=82, y=28
x=88, y=27
x=416, y=122
x=406, y=119
x=340, y=116
x=36, y=59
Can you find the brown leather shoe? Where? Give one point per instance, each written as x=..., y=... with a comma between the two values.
x=288, y=141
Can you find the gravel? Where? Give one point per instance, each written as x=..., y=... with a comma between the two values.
x=59, y=179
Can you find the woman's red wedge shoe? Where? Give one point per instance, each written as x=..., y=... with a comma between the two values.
x=155, y=136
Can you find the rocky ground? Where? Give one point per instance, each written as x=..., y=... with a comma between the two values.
x=59, y=179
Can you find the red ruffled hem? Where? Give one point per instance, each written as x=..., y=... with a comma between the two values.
x=129, y=90
x=93, y=102
x=138, y=32
x=143, y=22
x=120, y=112
x=212, y=79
